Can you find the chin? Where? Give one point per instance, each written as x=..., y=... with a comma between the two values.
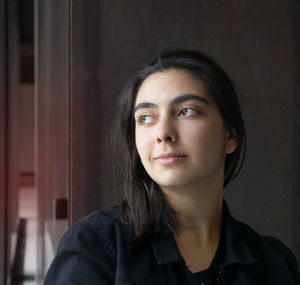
x=170, y=178
x=170, y=182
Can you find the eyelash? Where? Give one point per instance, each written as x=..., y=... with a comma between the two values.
x=189, y=108
x=140, y=119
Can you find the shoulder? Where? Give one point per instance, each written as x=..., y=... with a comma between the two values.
x=268, y=249
x=108, y=221
x=103, y=227
x=88, y=250
x=266, y=243
x=99, y=221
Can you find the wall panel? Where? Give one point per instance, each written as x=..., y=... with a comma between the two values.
x=3, y=194
x=52, y=128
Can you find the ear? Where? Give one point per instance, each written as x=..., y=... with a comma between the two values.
x=231, y=143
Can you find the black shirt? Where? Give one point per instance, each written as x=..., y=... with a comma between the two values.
x=95, y=251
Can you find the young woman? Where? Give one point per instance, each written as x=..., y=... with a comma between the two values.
x=181, y=139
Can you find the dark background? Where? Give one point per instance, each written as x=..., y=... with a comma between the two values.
x=255, y=41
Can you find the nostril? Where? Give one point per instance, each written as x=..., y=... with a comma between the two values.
x=169, y=138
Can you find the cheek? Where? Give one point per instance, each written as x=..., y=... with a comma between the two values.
x=205, y=136
x=142, y=145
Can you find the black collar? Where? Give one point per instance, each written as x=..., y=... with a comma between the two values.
x=236, y=249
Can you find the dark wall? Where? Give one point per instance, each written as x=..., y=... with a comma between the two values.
x=255, y=43
x=296, y=125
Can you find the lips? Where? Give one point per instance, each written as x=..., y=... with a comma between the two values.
x=169, y=158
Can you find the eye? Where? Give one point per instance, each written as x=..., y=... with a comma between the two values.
x=145, y=119
x=188, y=112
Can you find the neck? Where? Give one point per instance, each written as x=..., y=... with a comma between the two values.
x=199, y=210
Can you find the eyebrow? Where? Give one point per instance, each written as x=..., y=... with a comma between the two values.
x=177, y=100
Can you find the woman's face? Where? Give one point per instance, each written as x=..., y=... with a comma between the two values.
x=180, y=134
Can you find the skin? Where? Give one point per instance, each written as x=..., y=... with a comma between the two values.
x=182, y=142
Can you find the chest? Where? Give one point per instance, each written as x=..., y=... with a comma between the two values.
x=177, y=274
x=197, y=256
x=143, y=268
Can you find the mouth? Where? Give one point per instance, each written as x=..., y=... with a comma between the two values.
x=169, y=158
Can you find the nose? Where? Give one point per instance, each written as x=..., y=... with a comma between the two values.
x=166, y=131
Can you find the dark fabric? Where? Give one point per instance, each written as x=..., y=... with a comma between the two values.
x=94, y=251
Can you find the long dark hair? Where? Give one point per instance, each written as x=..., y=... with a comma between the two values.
x=143, y=204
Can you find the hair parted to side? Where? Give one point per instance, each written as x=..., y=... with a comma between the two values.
x=143, y=204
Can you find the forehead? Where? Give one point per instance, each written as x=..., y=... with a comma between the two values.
x=168, y=84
